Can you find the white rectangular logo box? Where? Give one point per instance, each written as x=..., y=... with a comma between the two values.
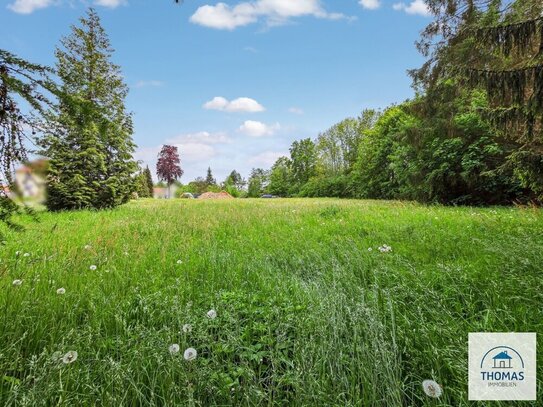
x=502, y=366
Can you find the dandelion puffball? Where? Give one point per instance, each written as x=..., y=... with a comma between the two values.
x=93, y=267
x=174, y=348
x=87, y=247
x=190, y=354
x=211, y=314
x=179, y=261
x=432, y=388
x=69, y=357
x=26, y=254
x=385, y=248
x=187, y=328
x=61, y=291
x=17, y=253
x=17, y=282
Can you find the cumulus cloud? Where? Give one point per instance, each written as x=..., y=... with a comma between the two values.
x=370, y=4
x=28, y=6
x=267, y=158
x=110, y=3
x=253, y=128
x=237, y=105
x=416, y=7
x=296, y=110
x=225, y=17
x=200, y=137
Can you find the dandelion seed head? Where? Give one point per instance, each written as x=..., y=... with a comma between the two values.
x=61, y=291
x=211, y=314
x=432, y=388
x=17, y=253
x=26, y=254
x=17, y=282
x=93, y=267
x=174, y=348
x=190, y=354
x=69, y=357
x=187, y=328
x=88, y=247
x=179, y=261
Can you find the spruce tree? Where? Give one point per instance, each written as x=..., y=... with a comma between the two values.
x=210, y=181
x=149, y=181
x=89, y=142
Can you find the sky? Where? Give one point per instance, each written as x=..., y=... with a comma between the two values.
x=233, y=83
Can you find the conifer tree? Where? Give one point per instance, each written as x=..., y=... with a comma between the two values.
x=210, y=181
x=149, y=180
x=90, y=132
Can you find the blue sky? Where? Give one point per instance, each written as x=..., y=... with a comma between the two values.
x=233, y=83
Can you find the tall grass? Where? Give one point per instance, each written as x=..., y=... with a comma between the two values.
x=307, y=315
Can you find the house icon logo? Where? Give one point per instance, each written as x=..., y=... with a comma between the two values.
x=502, y=360
x=502, y=366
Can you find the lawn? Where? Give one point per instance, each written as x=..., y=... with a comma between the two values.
x=309, y=311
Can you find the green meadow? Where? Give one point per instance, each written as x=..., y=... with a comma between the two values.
x=309, y=311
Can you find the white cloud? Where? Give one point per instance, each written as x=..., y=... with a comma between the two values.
x=370, y=4
x=110, y=3
x=237, y=105
x=253, y=128
x=416, y=7
x=28, y=6
x=152, y=83
x=296, y=110
x=201, y=137
x=266, y=159
x=225, y=17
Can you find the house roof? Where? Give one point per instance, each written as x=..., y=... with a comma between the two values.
x=502, y=355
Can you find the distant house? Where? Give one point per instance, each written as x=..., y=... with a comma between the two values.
x=163, y=193
x=502, y=360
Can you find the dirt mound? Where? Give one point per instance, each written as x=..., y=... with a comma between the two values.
x=216, y=195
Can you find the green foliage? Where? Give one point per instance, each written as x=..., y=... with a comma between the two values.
x=258, y=182
x=89, y=142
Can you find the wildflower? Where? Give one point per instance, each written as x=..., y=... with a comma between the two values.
x=432, y=388
x=211, y=314
x=190, y=354
x=187, y=328
x=61, y=291
x=88, y=247
x=174, y=348
x=385, y=248
x=69, y=357
x=179, y=261
x=370, y=249
x=17, y=282
x=26, y=254
x=92, y=268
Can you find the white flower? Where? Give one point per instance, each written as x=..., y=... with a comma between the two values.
x=17, y=282
x=61, y=291
x=187, y=328
x=179, y=261
x=92, y=268
x=190, y=354
x=174, y=348
x=17, y=253
x=26, y=254
x=69, y=357
x=370, y=249
x=211, y=314
x=432, y=388
x=385, y=248
x=87, y=247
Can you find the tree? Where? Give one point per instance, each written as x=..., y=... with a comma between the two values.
x=168, y=165
x=141, y=187
x=148, y=180
x=303, y=156
x=89, y=134
x=210, y=181
x=280, y=177
x=235, y=180
x=19, y=81
x=258, y=181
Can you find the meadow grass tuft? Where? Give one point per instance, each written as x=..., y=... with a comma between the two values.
x=304, y=312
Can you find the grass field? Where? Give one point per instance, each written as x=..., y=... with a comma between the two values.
x=307, y=314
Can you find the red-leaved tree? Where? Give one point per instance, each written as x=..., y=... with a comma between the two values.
x=168, y=165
